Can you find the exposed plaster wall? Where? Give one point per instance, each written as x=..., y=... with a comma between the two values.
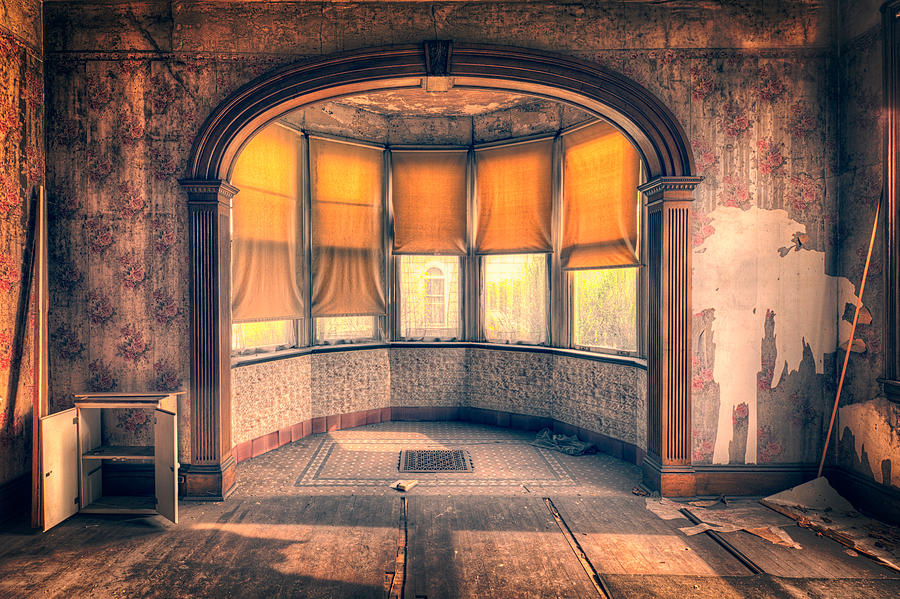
x=870, y=439
x=21, y=172
x=750, y=272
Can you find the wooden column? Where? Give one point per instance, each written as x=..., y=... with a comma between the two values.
x=210, y=474
x=667, y=467
x=891, y=19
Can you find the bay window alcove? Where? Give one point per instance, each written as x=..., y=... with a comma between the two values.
x=336, y=240
x=399, y=253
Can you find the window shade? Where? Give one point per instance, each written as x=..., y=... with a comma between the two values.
x=346, y=183
x=514, y=198
x=428, y=195
x=266, y=229
x=600, y=179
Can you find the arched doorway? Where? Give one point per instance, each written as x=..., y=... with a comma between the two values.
x=637, y=113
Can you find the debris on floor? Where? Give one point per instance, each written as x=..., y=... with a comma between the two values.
x=568, y=444
x=721, y=516
x=709, y=502
x=640, y=492
x=665, y=509
x=817, y=506
x=404, y=485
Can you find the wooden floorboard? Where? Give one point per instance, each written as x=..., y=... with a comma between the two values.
x=494, y=540
x=480, y=547
x=620, y=536
x=819, y=557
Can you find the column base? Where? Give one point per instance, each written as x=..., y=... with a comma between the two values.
x=214, y=482
x=891, y=389
x=670, y=481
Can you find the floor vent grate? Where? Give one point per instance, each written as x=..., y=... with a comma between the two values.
x=435, y=460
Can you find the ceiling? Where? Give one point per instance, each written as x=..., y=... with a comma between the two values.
x=418, y=102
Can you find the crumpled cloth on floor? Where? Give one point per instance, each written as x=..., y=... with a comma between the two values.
x=567, y=444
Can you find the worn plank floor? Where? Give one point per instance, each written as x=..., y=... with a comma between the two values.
x=317, y=519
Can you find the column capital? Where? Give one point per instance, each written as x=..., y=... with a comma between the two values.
x=663, y=185
x=207, y=191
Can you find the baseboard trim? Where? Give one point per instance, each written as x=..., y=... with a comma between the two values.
x=321, y=424
x=866, y=494
x=750, y=479
x=15, y=499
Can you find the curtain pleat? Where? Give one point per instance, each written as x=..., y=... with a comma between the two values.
x=346, y=186
x=600, y=199
x=514, y=193
x=428, y=195
x=266, y=229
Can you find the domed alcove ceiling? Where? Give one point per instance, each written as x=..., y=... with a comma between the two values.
x=420, y=117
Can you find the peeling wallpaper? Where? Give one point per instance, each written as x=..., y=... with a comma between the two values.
x=21, y=172
x=755, y=87
x=866, y=430
x=794, y=296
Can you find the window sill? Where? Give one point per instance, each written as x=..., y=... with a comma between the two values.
x=238, y=361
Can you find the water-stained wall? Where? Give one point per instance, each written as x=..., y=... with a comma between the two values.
x=753, y=85
x=867, y=432
x=21, y=173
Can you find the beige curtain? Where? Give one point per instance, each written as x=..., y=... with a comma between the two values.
x=346, y=183
x=514, y=198
x=600, y=178
x=266, y=229
x=428, y=195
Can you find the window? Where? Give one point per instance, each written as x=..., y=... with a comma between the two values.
x=515, y=298
x=429, y=297
x=435, y=307
x=345, y=329
x=267, y=335
x=604, y=308
x=533, y=241
x=267, y=299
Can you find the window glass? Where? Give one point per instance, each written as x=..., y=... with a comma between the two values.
x=515, y=298
x=605, y=308
x=342, y=329
x=267, y=335
x=429, y=297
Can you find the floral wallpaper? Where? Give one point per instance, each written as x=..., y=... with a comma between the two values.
x=127, y=94
x=21, y=173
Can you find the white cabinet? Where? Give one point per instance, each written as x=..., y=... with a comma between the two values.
x=74, y=455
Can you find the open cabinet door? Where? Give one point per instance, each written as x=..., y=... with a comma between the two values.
x=166, y=464
x=59, y=480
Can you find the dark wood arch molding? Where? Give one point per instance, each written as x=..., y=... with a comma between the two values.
x=640, y=115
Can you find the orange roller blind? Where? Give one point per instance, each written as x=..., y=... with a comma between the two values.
x=428, y=195
x=265, y=246
x=346, y=183
x=600, y=178
x=514, y=198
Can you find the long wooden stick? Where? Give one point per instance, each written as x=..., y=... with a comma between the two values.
x=862, y=288
x=40, y=403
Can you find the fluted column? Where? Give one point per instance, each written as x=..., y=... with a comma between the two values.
x=667, y=467
x=210, y=475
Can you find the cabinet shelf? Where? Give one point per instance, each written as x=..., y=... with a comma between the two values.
x=76, y=460
x=121, y=505
x=120, y=452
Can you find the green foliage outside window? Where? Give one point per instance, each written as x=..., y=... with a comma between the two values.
x=605, y=308
x=515, y=298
